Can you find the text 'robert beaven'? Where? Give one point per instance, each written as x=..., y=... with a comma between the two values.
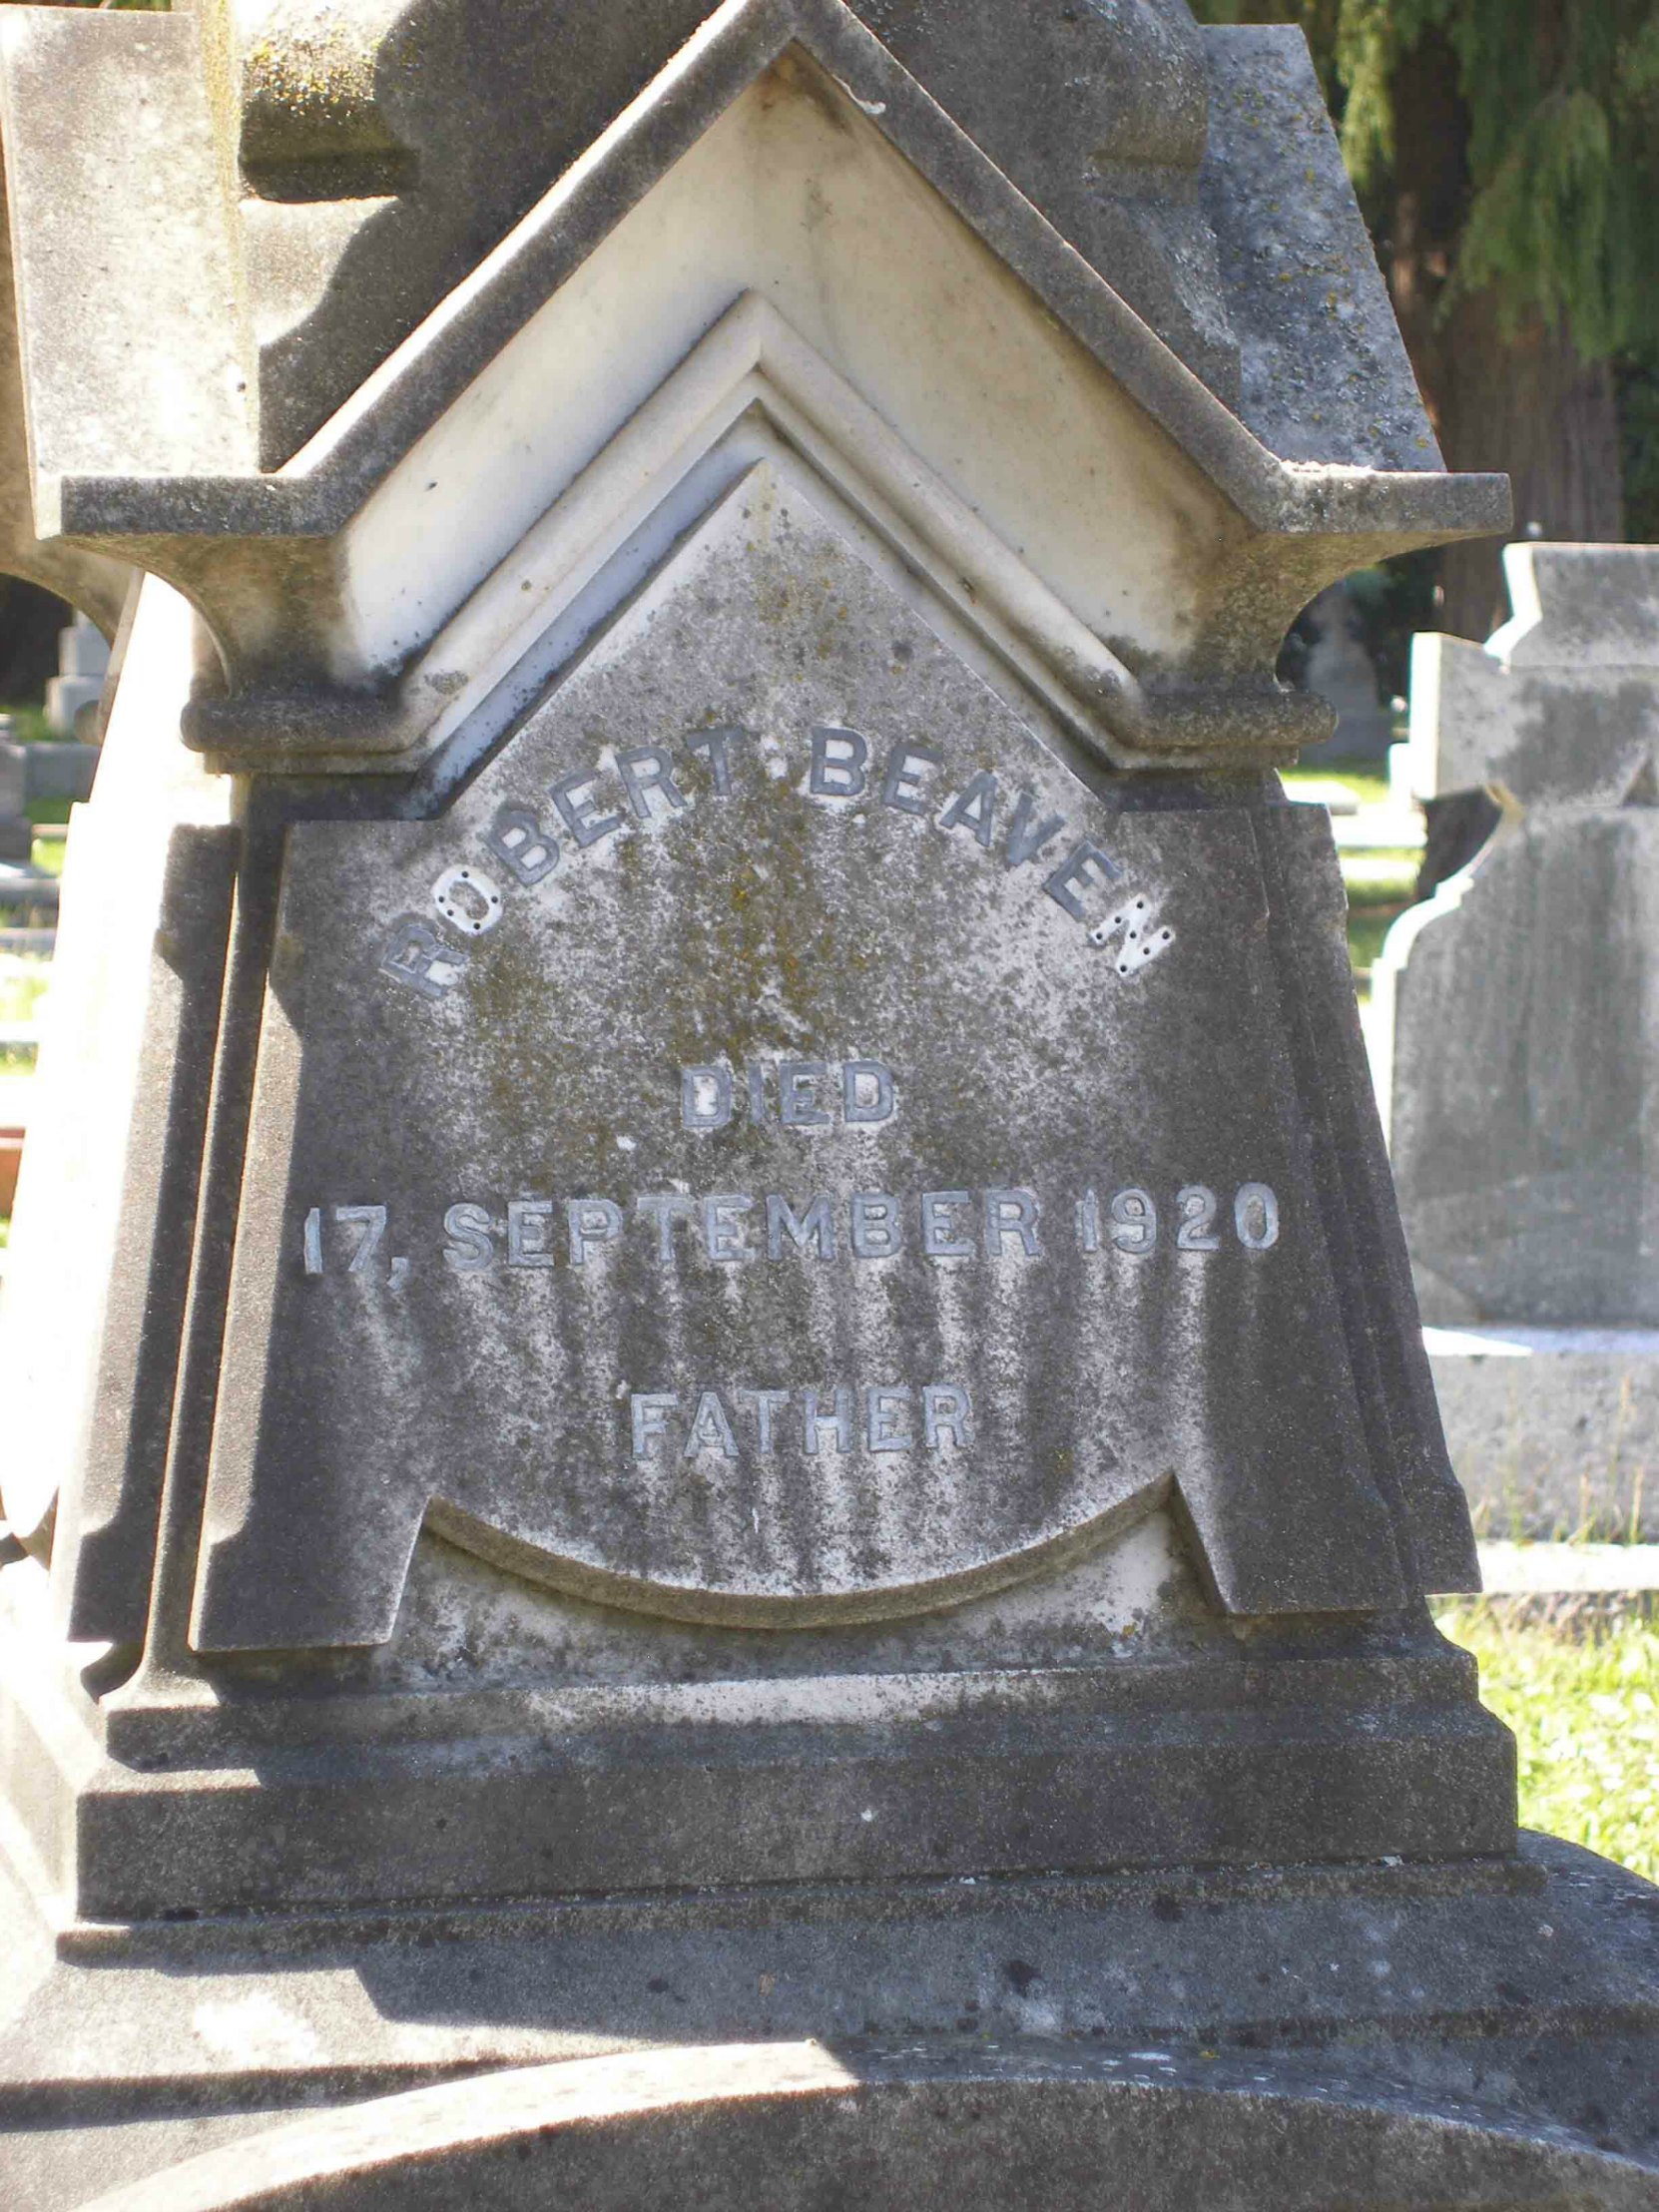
x=645, y=788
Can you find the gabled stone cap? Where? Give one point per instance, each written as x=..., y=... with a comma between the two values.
x=160, y=459
x=378, y=149
x=157, y=450
x=383, y=148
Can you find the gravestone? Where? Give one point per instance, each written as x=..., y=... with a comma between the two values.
x=1518, y=1012
x=83, y=664
x=728, y=1482
x=28, y=773
x=61, y=771
x=16, y=832
x=1341, y=671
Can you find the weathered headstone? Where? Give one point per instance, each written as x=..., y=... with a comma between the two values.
x=1341, y=671
x=719, y=1354
x=16, y=833
x=28, y=773
x=83, y=664
x=1518, y=1020
x=60, y=770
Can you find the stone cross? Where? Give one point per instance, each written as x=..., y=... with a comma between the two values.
x=713, y=1332
x=1520, y=1010
x=1561, y=707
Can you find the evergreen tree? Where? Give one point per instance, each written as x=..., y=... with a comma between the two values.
x=1507, y=156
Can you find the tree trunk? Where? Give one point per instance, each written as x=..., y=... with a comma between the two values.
x=1525, y=401
x=1513, y=396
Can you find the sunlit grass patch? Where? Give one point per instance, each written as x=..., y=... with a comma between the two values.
x=23, y=984
x=1381, y=878
x=1582, y=1697
x=1368, y=785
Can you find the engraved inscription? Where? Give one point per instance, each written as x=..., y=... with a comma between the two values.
x=730, y=1227
x=879, y=1417
x=644, y=787
x=810, y=1194
x=726, y=1228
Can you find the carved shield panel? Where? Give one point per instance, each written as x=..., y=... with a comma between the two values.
x=789, y=1142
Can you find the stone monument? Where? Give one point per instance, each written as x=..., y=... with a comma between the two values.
x=1342, y=673
x=17, y=837
x=83, y=664
x=92, y=580
x=1519, y=1029
x=727, y=1479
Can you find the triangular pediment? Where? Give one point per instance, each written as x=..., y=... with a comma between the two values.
x=753, y=391
x=782, y=152
x=845, y=65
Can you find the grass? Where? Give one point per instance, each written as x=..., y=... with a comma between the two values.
x=23, y=984
x=1584, y=1701
x=30, y=727
x=1370, y=787
x=1379, y=888
x=1378, y=879
x=29, y=723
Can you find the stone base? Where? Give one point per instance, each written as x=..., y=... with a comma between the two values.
x=1485, y=2035
x=1554, y=1433
x=1326, y=1741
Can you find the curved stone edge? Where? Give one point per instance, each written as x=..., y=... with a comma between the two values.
x=918, y=2125
x=749, y=1608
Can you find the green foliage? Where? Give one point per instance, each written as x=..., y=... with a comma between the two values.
x=1585, y=1712
x=1562, y=99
